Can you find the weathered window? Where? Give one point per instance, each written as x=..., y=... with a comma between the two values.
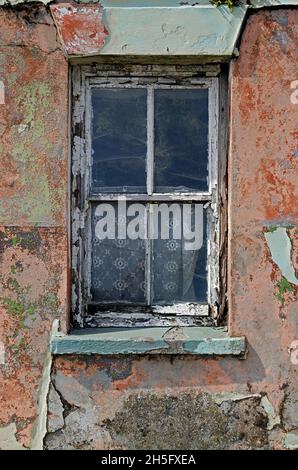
x=145, y=195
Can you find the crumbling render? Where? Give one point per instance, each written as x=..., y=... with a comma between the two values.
x=80, y=28
x=280, y=246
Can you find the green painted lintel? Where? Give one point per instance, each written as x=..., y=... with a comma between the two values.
x=202, y=341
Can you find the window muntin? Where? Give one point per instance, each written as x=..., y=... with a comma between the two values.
x=119, y=281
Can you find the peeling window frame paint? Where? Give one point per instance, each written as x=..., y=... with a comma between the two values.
x=85, y=76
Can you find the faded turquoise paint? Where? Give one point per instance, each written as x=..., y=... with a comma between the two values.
x=192, y=340
x=215, y=347
x=204, y=31
x=211, y=342
x=280, y=247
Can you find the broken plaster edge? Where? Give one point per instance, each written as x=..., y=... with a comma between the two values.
x=254, y=4
x=13, y=3
x=291, y=440
x=201, y=341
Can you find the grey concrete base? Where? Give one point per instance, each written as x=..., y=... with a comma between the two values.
x=202, y=341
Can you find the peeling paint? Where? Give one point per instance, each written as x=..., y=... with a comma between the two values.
x=2, y=353
x=291, y=440
x=280, y=247
x=273, y=418
x=2, y=93
x=80, y=28
x=118, y=401
x=188, y=340
x=203, y=31
x=8, y=440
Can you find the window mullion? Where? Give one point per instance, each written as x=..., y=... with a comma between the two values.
x=148, y=263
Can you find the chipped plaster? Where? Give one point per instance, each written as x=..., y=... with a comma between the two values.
x=188, y=340
x=258, y=193
x=280, y=247
x=291, y=440
x=40, y=425
x=273, y=417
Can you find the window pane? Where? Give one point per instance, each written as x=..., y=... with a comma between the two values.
x=118, y=265
x=181, y=140
x=119, y=140
x=180, y=265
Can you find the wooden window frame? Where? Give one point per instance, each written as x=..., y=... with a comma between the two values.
x=85, y=77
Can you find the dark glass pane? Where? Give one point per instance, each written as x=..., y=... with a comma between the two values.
x=181, y=140
x=180, y=268
x=119, y=140
x=118, y=265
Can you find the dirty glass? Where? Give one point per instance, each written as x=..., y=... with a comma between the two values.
x=181, y=140
x=180, y=269
x=119, y=140
x=118, y=265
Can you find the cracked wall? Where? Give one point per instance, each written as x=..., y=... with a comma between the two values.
x=106, y=403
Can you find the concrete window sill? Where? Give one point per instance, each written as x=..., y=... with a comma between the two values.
x=200, y=341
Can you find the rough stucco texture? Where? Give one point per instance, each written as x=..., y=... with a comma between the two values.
x=162, y=403
x=33, y=209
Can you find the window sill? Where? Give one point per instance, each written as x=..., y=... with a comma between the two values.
x=199, y=341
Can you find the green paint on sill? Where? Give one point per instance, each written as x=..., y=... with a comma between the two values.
x=202, y=341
